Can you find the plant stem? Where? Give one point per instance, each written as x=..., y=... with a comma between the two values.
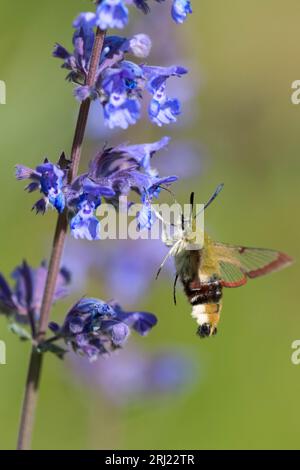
x=35, y=365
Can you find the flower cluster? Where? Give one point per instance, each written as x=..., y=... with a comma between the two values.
x=94, y=328
x=22, y=304
x=120, y=83
x=113, y=173
x=114, y=13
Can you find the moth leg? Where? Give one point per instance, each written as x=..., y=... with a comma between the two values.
x=170, y=253
x=174, y=289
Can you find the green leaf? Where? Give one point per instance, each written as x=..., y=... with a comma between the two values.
x=53, y=348
x=16, y=329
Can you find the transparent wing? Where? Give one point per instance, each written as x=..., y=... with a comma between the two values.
x=238, y=263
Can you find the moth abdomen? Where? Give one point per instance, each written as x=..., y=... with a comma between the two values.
x=205, y=297
x=200, y=292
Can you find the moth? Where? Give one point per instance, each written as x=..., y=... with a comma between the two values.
x=206, y=271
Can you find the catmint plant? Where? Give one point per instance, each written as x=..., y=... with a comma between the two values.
x=100, y=68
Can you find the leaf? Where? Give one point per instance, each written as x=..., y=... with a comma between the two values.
x=23, y=334
x=53, y=348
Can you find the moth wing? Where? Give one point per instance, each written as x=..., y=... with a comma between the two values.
x=238, y=263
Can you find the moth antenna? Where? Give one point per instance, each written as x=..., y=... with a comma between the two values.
x=213, y=197
x=192, y=204
x=192, y=201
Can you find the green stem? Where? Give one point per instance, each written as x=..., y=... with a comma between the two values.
x=35, y=365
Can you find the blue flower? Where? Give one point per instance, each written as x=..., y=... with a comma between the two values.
x=126, y=77
x=83, y=199
x=180, y=10
x=122, y=88
x=146, y=216
x=85, y=20
x=121, y=111
x=94, y=328
x=116, y=172
x=115, y=14
x=162, y=110
x=111, y=14
x=83, y=92
x=50, y=180
x=119, y=83
x=84, y=224
x=113, y=173
x=25, y=298
x=78, y=62
x=143, y=153
x=140, y=45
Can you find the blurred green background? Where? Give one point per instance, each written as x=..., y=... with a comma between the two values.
x=246, y=55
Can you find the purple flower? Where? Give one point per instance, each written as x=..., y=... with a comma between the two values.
x=94, y=328
x=119, y=83
x=85, y=20
x=180, y=10
x=146, y=217
x=114, y=173
x=78, y=62
x=122, y=85
x=143, y=153
x=25, y=299
x=140, y=45
x=162, y=110
x=84, y=224
x=114, y=14
x=114, y=50
x=121, y=111
x=83, y=199
x=111, y=14
x=49, y=179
